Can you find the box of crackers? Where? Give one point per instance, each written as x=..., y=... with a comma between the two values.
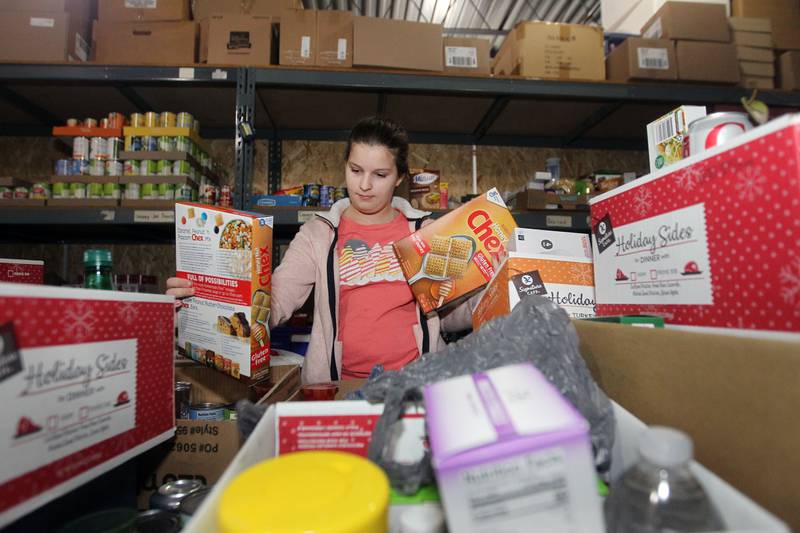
x=227, y=255
x=456, y=254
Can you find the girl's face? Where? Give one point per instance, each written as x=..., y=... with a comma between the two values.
x=371, y=176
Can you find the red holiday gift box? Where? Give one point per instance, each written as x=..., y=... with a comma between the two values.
x=713, y=240
x=86, y=383
x=22, y=271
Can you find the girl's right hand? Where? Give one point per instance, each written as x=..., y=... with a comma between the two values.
x=179, y=288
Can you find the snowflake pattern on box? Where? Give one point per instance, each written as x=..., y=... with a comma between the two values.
x=689, y=177
x=581, y=275
x=751, y=203
x=79, y=321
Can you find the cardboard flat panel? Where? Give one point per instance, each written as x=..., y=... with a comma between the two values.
x=729, y=393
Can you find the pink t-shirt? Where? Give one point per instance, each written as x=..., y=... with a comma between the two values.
x=376, y=307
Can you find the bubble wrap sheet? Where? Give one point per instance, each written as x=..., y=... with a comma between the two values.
x=537, y=331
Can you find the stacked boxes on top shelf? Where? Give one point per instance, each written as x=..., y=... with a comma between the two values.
x=45, y=30
x=754, y=48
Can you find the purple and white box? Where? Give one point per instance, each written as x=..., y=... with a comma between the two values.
x=511, y=454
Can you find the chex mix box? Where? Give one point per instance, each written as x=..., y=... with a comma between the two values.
x=227, y=255
x=710, y=241
x=457, y=253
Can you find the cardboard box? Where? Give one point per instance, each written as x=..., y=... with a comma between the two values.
x=628, y=16
x=666, y=134
x=756, y=82
x=750, y=53
x=145, y=43
x=675, y=252
x=789, y=71
x=646, y=371
x=467, y=56
x=202, y=9
x=453, y=256
x=552, y=51
x=40, y=36
x=297, y=41
x=760, y=25
x=754, y=39
x=556, y=265
x=688, y=21
x=784, y=14
x=73, y=391
x=46, y=36
x=236, y=40
x=227, y=255
x=203, y=449
x=535, y=199
x=423, y=189
x=334, y=38
x=381, y=42
x=642, y=59
x=21, y=271
x=619, y=356
x=149, y=11
x=712, y=62
x=510, y=433
x=754, y=68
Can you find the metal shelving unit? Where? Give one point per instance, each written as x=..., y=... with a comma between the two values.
x=280, y=103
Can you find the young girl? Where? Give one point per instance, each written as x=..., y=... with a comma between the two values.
x=364, y=311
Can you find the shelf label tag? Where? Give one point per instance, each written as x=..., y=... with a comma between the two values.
x=305, y=46
x=186, y=73
x=153, y=217
x=558, y=221
x=305, y=216
x=219, y=74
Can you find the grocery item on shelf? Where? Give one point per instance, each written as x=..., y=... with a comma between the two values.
x=508, y=437
x=664, y=245
x=424, y=188
x=553, y=264
x=666, y=134
x=229, y=315
x=97, y=267
x=454, y=255
x=714, y=130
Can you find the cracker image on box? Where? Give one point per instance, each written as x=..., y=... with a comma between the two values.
x=227, y=255
x=454, y=255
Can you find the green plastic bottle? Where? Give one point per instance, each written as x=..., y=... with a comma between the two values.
x=97, y=269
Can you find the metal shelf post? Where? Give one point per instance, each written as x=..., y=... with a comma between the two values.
x=274, y=164
x=245, y=118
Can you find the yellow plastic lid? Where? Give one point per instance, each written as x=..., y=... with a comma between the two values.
x=309, y=492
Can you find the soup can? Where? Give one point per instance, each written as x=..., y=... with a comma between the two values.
x=131, y=168
x=167, y=119
x=149, y=191
x=148, y=168
x=137, y=120
x=94, y=190
x=166, y=191
x=225, y=196
x=183, y=144
x=185, y=120
x=80, y=167
x=149, y=143
x=111, y=191
x=97, y=167
x=77, y=190
x=166, y=143
x=80, y=148
x=151, y=119
x=113, y=147
x=60, y=190
x=136, y=144
x=89, y=123
x=64, y=167
x=116, y=120
x=180, y=168
x=20, y=193
x=98, y=148
x=132, y=191
x=714, y=130
x=207, y=411
x=103, y=123
x=6, y=193
x=164, y=168
x=40, y=191
x=114, y=168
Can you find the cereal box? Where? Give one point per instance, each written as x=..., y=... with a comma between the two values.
x=227, y=255
x=423, y=189
x=454, y=255
x=553, y=264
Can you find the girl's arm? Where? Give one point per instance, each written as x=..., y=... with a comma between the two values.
x=294, y=278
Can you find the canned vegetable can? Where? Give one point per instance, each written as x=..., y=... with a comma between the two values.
x=89, y=123
x=98, y=148
x=207, y=411
x=95, y=190
x=148, y=168
x=80, y=167
x=136, y=144
x=185, y=120
x=167, y=119
x=183, y=144
x=166, y=144
x=183, y=192
x=97, y=167
x=149, y=191
x=80, y=148
x=166, y=191
x=20, y=193
x=116, y=120
x=164, y=168
x=137, y=120
x=111, y=190
x=6, y=193
x=60, y=190
x=149, y=143
x=64, y=167
x=40, y=191
x=113, y=168
x=130, y=168
x=180, y=168
x=151, y=119
x=77, y=190
x=113, y=146
x=132, y=191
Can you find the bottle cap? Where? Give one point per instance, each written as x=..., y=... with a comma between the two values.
x=666, y=447
x=425, y=518
x=97, y=257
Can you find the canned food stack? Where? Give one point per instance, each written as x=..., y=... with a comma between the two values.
x=91, y=156
x=173, y=135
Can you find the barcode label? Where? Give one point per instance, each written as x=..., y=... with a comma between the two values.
x=653, y=58
x=654, y=31
x=341, y=50
x=461, y=56
x=305, y=46
x=664, y=129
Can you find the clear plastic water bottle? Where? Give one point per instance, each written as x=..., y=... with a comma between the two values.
x=659, y=493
